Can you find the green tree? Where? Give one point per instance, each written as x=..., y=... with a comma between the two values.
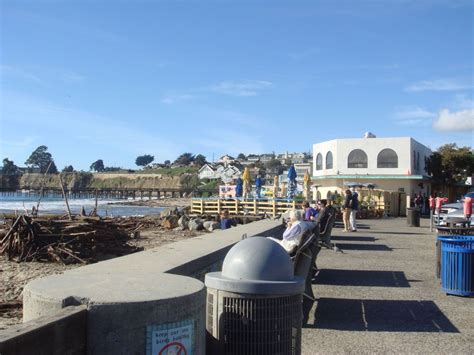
x=241, y=156
x=98, y=165
x=167, y=162
x=41, y=158
x=200, y=160
x=185, y=159
x=68, y=169
x=450, y=164
x=9, y=167
x=144, y=160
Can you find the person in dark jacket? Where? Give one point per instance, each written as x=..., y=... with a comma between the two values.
x=346, y=211
x=354, y=208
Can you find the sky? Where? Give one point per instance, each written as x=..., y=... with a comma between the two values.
x=113, y=80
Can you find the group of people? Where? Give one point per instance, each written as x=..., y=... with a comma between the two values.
x=349, y=210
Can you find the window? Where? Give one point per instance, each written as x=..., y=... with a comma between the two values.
x=329, y=160
x=387, y=158
x=417, y=161
x=357, y=159
x=319, y=162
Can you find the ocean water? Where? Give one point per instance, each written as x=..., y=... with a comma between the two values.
x=55, y=205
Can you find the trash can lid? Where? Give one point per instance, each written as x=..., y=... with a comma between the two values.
x=256, y=265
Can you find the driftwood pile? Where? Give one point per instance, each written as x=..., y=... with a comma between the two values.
x=80, y=240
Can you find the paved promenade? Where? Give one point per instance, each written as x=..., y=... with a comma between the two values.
x=381, y=296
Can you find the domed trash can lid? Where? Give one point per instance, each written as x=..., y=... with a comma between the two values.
x=257, y=266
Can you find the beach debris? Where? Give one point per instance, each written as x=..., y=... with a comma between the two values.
x=80, y=240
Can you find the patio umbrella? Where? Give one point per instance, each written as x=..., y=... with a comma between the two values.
x=246, y=178
x=353, y=184
x=258, y=186
x=306, y=185
x=291, y=191
x=276, y=186
x=238, y=187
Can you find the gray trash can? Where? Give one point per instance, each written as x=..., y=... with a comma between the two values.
x=254, y=306
x=413, y=217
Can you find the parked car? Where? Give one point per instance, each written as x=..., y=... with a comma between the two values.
x=456, y=218
x=454, y=210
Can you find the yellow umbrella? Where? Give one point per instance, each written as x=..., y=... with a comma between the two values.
x=246, y=178
x=306, y=185
x=275, y=186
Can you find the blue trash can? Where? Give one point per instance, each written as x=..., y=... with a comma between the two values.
x=457, y=265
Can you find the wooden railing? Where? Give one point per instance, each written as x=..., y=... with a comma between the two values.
x=242, y=206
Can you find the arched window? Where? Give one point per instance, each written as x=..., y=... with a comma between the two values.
x=319, y=162
x=357, y=159
x=387, y=158
x=329, y=160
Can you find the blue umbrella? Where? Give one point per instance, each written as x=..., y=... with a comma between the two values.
x=238, y=188
x=291, y=191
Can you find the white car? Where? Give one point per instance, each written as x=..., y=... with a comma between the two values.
x=454, y=210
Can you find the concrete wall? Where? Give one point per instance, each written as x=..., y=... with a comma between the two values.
x=128, y=297
x=63, y=332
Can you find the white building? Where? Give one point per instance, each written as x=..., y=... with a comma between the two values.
x=225, y=173
x=392, y=164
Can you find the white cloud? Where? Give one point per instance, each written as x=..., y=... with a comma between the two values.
x=232, y=142
x=414, y=116
x=240, y=88
x=172, y=99
x=42, y=75
x=81, y=133
x=454, y=121
x=231, y=88
x=19, y=72
x=463, y=102
x=439, y=85
x=410, y=113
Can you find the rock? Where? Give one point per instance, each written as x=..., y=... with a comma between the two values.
x=170, y=222
x=195, y=225
x=183, y=222
x=211, y=225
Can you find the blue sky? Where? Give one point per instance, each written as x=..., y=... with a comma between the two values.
x=113, y=80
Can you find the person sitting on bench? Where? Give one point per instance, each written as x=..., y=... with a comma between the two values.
x=293, y=232
x=325, y=212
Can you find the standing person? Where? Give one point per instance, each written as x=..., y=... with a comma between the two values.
x=418, y=202
x=346, y=210
x=238, y=187
x=354, y=208
x=258, y=186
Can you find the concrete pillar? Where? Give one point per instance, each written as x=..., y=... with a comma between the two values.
x=126, y=310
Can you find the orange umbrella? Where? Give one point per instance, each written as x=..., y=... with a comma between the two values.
x=306, y=185
x=246, y=178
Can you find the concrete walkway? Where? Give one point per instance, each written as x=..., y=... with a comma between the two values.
x=381, y=296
